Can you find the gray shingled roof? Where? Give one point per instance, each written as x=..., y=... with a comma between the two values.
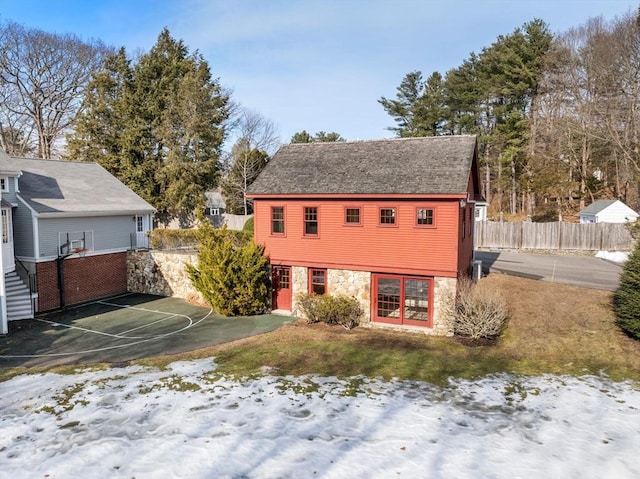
x=596, y=207
x=72, y=188
x=431, y=165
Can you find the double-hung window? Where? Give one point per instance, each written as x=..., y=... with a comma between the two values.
x=311, y=221
x=317, y=281
x=277, y=220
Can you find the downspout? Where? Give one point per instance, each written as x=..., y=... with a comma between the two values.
x=4, y=322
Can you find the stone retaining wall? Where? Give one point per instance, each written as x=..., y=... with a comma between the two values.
x=162, y=273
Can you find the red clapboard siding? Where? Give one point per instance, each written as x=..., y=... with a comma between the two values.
x=404, y=248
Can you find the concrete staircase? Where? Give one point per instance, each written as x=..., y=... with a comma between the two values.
x=18, y=297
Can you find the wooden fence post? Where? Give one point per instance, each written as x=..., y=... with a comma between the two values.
x=559, y=235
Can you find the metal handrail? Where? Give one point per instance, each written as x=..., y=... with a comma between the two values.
x=30, y=279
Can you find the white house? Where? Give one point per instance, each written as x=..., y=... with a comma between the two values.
x=480, y=210
x=66, y=229
x=608, y=211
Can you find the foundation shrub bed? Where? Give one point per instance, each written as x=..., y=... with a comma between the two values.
x=342, y=310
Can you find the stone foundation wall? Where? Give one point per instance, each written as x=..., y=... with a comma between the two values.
x=444, y=291
x=299, y=284
x=339, y=282
x=358, y=284
x=161, y=273
x=352, y=283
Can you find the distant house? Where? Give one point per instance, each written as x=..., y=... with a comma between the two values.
x=66, y=227
x=215, y=208
x=608, y=211
x=388, y=221
x=480, y=211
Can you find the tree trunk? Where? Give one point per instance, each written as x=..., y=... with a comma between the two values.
x=584, y=165
x=514, y=193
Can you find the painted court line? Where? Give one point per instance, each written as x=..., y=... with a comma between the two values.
x=142, y=339
x=80, y=328
x=121, y=333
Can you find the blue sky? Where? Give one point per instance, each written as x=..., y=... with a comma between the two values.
x=313, y=65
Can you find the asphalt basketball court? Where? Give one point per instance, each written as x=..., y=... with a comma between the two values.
x=124, y=328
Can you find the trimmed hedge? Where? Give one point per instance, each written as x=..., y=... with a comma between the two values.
x=163, y=239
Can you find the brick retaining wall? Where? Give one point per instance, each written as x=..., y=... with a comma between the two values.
x=85, y=279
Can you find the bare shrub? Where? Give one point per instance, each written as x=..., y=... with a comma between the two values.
x=478, y=312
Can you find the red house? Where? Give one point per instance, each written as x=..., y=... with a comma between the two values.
x=389, y=222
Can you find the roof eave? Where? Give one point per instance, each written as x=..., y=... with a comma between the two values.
x=302, y=196
x=81, y=214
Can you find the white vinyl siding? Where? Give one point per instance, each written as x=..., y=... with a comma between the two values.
x=109, y=232
x=23, y=231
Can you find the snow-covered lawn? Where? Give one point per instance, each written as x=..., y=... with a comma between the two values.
x=188, y=421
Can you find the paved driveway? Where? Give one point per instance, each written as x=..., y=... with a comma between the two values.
x=585, y=271
x=124, y=328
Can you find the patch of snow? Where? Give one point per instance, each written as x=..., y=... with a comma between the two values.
x=619, y=257
x=189, y=421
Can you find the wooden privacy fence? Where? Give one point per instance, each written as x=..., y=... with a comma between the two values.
x=553, y=236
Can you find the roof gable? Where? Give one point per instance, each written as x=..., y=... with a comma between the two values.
x=599, y=206
x=428, y=165
x=72, y=188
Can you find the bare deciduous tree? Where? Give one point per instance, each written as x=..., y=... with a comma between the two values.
x=42, y=79
x=257, y=141
x=589, y=125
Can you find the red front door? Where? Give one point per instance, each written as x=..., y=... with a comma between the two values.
x=281, y=288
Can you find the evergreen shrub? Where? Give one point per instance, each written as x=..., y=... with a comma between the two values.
x=626, y=299
x=338, y=309
x=248, y=225
x=232, y=274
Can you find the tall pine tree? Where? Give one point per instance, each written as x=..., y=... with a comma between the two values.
x=158, y=126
